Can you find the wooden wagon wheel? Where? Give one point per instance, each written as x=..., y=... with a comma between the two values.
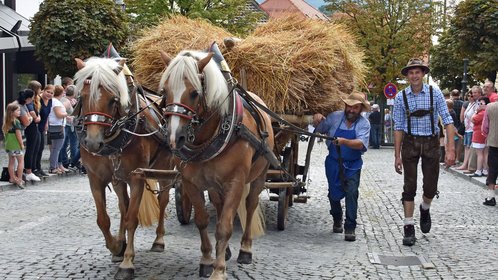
x=183, y=205
x=285, y=194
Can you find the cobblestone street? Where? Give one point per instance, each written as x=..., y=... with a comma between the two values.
x=49, y=231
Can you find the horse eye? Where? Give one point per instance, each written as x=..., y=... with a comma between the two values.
x=194, y=94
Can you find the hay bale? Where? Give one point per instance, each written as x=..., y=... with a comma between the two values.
x=172, y=36
x=299, y=65
x=295, y=65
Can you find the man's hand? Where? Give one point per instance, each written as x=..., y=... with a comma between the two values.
x=449, y=158
x=317, y=118
x=398, y=165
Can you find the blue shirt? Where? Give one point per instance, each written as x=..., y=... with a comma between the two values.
x=333, y=120
x=420, y=126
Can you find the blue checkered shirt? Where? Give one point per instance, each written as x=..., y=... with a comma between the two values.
x=420, y=126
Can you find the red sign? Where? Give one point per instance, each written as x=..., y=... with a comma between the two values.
x=390, y=90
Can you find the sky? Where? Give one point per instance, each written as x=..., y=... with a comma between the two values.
x=27, y=8
x=315, y=3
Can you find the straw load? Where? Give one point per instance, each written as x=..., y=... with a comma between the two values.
x=295, y=65
x=172, y=36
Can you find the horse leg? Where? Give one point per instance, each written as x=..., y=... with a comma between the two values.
x=126, y=268
x=97, y=187
x=252, y=202
x=158, y=245
x=224, y=226
x=217, y=201
x=201, y=220
x=121, y=190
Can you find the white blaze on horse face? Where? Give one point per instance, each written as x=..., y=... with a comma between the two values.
x=175, y=120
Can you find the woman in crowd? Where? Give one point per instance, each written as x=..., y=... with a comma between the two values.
x=29, y=118
x=34, y=110
x=466, y=116
x=45, y=107
x=479, y=139
x=56, y=124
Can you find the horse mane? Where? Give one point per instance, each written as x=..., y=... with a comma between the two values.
x=185, y=65
x=100, y=72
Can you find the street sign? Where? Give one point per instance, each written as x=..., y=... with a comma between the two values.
x=390, y=90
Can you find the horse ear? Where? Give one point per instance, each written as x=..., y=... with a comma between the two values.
x=79, y=63
x=120, y=67
x=165, y=57
x=203, y=62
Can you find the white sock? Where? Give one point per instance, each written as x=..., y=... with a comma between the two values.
x=491, y=193
x=409, y=221
x=425, y=206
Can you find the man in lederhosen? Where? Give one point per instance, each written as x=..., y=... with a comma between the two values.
x=343, y=164
x=417, y=110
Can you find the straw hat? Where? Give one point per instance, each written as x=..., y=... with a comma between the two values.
x=413, y=63
x=357, y=98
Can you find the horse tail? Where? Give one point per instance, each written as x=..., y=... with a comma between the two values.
x=257, y=224
x=148, y=212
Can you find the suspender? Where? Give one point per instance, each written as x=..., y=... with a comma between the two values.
x=409, y=115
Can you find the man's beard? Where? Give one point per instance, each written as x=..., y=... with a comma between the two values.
x=352, y=117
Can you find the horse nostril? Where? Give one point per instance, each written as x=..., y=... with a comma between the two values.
x=180, y=141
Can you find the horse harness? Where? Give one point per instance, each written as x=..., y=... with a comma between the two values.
x=229, y=129
x=120, y=131
x=419, y=113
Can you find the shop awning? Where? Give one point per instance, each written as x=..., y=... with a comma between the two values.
x=14, y=30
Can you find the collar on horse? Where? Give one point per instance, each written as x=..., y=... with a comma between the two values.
x=228, y=125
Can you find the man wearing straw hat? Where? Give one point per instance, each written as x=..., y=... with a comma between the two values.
x=343, y=164
x=416, y=135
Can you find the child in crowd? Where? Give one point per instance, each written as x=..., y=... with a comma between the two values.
x=14, y=146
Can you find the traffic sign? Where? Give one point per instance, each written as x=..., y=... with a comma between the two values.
x=390, y=90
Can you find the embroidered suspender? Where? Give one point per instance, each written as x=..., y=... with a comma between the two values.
x=420, y=113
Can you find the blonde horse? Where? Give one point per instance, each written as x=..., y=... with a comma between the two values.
x=199, y=108
x=111, y=118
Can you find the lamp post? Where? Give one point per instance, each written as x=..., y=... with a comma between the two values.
x=464, y=79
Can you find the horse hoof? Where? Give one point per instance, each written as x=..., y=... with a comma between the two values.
x=205, y=270
x=124, y=274
x=244, y=257
x=156, y=247
x=228, y=253
x=116, y=259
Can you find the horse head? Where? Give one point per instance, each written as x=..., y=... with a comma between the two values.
x=192, y=87
x=104, y=98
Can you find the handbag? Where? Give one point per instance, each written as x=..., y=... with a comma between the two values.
x=5, y=175
x=56, y=132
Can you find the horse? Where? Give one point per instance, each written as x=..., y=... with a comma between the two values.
x=112, y=115
x=199, y=107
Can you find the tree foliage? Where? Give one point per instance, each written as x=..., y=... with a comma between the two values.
x=229, y=14
x=476, y=30
x=64, y=29
x=391, y=32
x=446, y=61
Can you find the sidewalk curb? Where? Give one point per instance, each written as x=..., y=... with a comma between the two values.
x=480, y=181
x=6, y=186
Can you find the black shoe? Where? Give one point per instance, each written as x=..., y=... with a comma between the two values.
x=337, y=227
x=40, y=173
x=490, y=202
x=349, y=235
x=425, y=220
x=83, y=170
x=409, y=237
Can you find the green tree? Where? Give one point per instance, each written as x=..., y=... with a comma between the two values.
x=476, y=31
x=390, y=31
x=229, y=14
x=64, y=29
